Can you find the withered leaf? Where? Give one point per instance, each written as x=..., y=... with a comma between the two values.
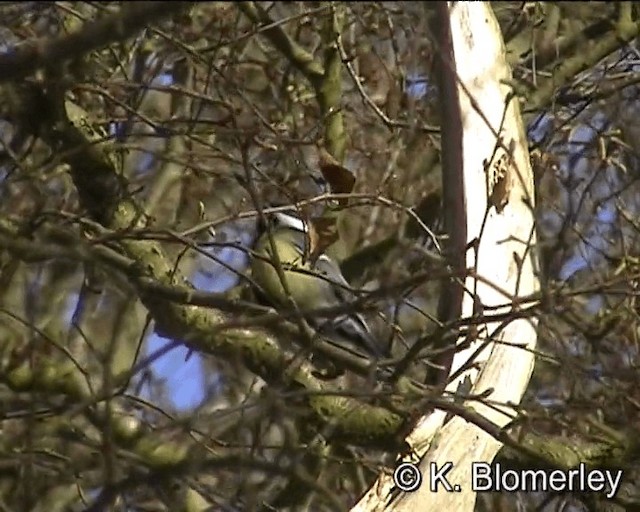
x=339, y=178
x=323, y=231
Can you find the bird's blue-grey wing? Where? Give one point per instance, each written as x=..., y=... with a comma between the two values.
x=353, y=325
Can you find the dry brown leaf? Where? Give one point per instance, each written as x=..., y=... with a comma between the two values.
x=339, y=178
x=323, y=231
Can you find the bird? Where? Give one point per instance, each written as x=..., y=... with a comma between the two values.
x=311, y=285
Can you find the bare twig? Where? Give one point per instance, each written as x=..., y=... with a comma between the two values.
x=296, y=54
x=131, y=18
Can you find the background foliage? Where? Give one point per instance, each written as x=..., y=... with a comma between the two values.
x=140, y=144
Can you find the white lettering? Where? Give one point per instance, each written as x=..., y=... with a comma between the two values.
x=481, y=477
x=595, y=481
x=557, y=481
x=509, y=474
x=437, y=476
x=537, y=477
x=613, y=484
x=573, y=479
x=487, y=477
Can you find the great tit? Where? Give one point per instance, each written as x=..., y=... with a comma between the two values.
x=312, y=286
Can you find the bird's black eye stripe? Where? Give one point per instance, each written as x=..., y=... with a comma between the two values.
x=319, y=180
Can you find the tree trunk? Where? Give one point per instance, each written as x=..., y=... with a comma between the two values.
x=500, y=227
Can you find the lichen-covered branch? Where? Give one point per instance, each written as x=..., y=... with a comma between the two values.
x=626, y=30
x=131, y=18
x=329, y=89
x=103, y=192
x=325, y=77
x=297, y=55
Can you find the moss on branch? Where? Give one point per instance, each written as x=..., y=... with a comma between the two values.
x=103, y=191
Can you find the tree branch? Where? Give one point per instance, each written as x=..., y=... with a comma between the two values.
x=325, y=79
x=297, y=55
x=131, y=18
x=100, y=187
x=626, y=30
